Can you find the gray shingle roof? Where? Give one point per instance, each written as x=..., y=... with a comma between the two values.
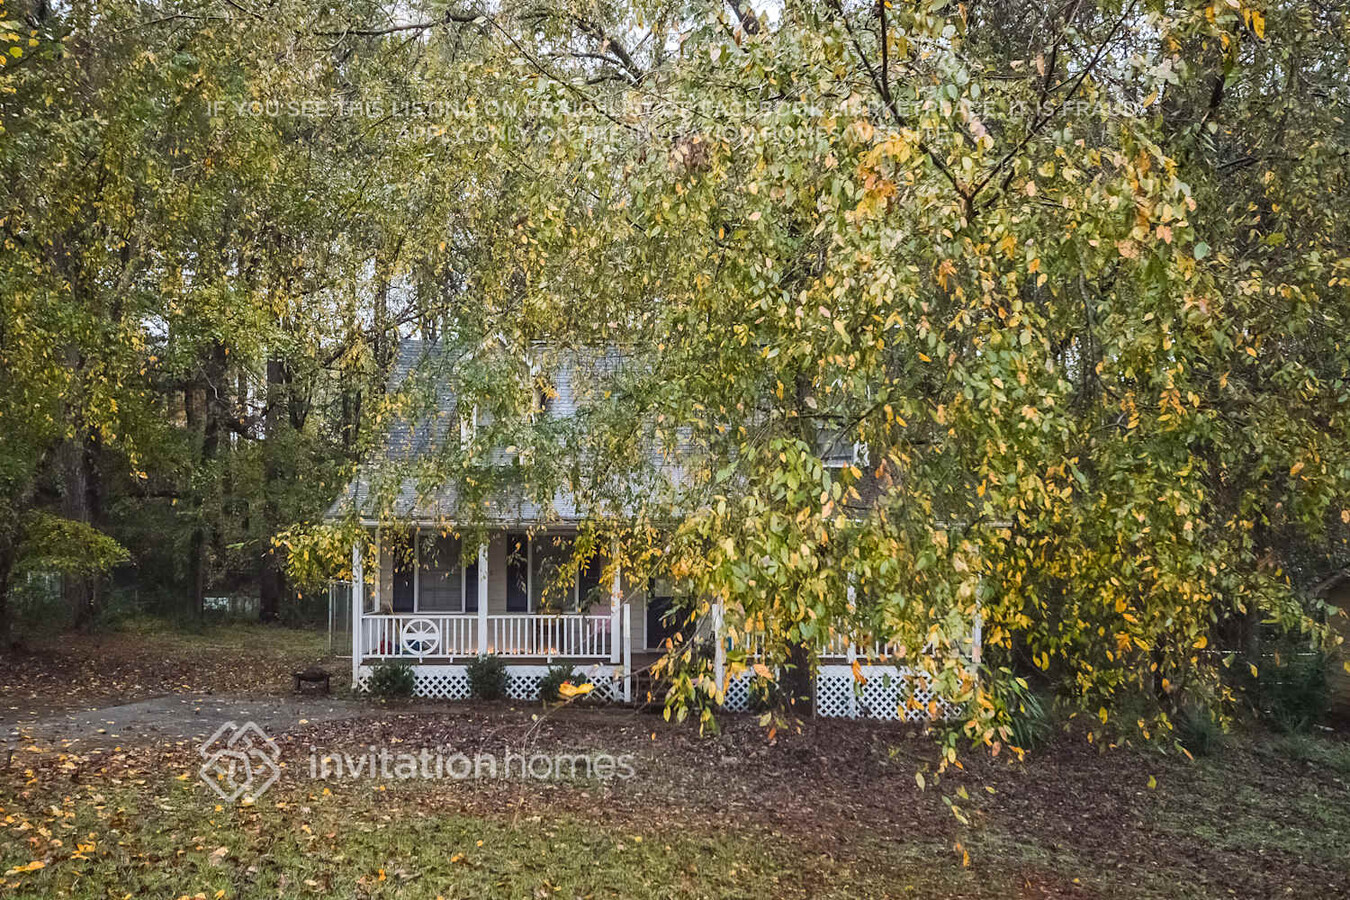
x=382, y=484
x=427, y=371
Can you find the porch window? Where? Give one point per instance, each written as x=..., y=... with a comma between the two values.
x=517, y=573
x=442, y=580
x=471, y=586
x=548, y=590
x=590, y=593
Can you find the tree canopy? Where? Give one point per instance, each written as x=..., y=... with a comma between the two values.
x=954, y=312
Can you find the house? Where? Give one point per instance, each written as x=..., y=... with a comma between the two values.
x=459, y=571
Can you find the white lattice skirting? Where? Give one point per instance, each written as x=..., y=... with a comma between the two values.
x=890, y=692
x=737, y=698
x=450, y=682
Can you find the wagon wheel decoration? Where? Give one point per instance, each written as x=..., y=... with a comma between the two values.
x=421, y=637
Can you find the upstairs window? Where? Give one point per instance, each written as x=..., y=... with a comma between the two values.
x=468, y=423
x=543, y=393
x=837, y=450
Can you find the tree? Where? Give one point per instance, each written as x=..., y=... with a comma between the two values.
x=1070, y=280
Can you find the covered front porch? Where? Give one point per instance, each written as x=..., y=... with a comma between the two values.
x=426, y=597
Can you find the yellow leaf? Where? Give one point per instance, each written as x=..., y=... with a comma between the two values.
x=763, y=672
x=858, y=676
x=569, y=690
x=31, y=867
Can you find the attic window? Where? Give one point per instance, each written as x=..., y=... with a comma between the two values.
x=543, y=394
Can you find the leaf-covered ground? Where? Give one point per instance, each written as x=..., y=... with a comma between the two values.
x=834, y=810
x=87, y=671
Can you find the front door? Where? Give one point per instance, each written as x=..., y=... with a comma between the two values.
x=471, y=587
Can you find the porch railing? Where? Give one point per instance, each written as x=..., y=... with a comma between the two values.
x=835, y=646
x=418, y=635
x=576, y=634
x=839, y=645
x=437, y=635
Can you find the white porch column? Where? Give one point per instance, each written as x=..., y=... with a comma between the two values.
x=850, y=650
x=375, y=585
x=615, y=599
x=976, y=640
x=483, y=597
x=358, y=604
x=851, y=656
x=628, y=653
x=417, y=569
x=719, y=646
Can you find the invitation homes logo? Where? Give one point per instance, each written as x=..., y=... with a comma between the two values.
x=442, y=764
x=240, y=762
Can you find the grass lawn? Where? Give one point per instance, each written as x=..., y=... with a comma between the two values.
x=832, y=810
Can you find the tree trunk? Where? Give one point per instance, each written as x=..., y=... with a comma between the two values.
x=796, y=694
x=82, y=502
x=75, y=589
x=208, y=405
x=11, y=534
x=797, y=697
x=271, y=580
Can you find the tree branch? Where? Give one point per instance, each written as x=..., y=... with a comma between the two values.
x=1042, y=120
x=884, y=91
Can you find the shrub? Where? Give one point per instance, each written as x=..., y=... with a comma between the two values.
x=36, y=604
x=557, y=674
x=391, y=679
x=763, y=694
x=1029, y=723
x=122, y=610
x=487, y=677
x=1294, y=695
x=1199, y=730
